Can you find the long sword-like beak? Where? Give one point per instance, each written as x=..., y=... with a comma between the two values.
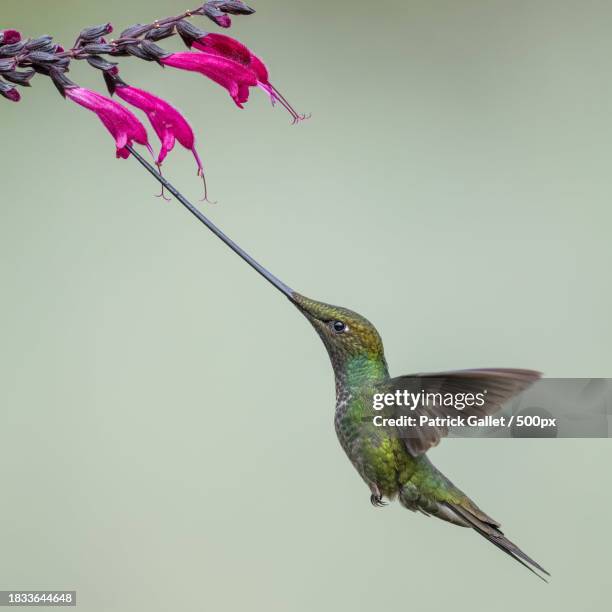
x=284, y=289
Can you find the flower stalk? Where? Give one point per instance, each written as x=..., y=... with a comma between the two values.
x=221, y=59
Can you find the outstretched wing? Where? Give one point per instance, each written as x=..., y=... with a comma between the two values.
x=500, y=385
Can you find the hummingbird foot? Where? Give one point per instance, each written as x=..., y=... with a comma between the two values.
x=376, y=499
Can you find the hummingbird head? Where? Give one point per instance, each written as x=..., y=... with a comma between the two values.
x=345, y=333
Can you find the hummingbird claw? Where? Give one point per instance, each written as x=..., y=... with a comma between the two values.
x=377, y=501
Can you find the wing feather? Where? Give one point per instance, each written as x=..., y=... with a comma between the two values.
x=500, y=384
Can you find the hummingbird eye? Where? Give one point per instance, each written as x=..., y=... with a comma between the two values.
x=338, y=326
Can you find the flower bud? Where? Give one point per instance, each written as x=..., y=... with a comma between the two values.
x=100, y=63
x=96, y=48
x=134, y=50
x=94, y=32
x=234, y=7
x=153, y=51
x=112, y=80
x=9, y=37
x=61, y=63
x=42, y=43
x=219, y=17
x=61, y=81
x=12, y=50
x=160, y=32
x=42, y=57
x=134, y=31
x=189, y=33
x=19, y=77
x=9, y=92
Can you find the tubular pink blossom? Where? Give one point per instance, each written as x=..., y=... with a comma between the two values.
x=230, y=48
x=168, y=123
x=226, y=46
x=119, y=121
x=231, y=75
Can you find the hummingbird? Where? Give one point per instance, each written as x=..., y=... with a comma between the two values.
x=392, y=461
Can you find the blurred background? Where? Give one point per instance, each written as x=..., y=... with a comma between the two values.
x=168, y=417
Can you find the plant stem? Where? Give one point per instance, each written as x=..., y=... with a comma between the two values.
x=212, y=227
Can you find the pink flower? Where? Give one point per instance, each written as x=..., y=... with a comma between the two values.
x=231, y=75
x=230, y=48
x=119, y=121
x=168, y=123
x=226, y=46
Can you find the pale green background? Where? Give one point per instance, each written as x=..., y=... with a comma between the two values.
x=167, y=417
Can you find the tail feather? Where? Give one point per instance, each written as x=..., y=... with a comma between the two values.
x=491, y=532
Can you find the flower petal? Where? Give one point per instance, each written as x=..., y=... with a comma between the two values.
x=168, y=123
x=119, y=121
x=226, y=46
x=226, y=72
